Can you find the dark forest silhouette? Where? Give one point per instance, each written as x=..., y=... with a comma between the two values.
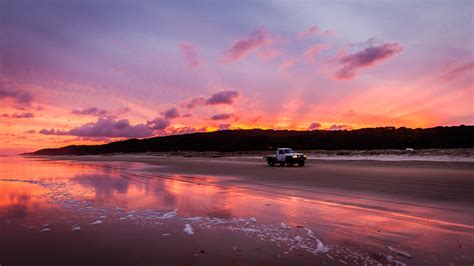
x=258, y=139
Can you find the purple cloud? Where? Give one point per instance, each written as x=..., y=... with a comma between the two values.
x=224, y=126
x=105, y=127
x=314, y=126
x=243, y=47
x=21, y=97
x=340, y=127
x=186, y=130
x=195, y=102
x=52, y=132
x=223, y=97
x=365, y=58
x=19, y=115
x=220, y=97
x=221, y=116
x=171, y=113
x=190, y=54
x=90, y=111
x=158, y=123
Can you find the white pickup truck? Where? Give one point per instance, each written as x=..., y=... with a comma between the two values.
x=286, y=156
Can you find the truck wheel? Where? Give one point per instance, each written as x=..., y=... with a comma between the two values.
x=301, y=163
x=282, y=163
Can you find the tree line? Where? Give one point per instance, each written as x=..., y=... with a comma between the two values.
x=258, y=139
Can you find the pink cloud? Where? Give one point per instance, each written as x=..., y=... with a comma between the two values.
x=329, y=32
x=365, y=58
x=313, y=30
x=313, y=51
x=190, y=54
x=243, y=47
x=308, y=32
x=453, y=73
x=286, y=65
x=255, y=120
x=269, y=54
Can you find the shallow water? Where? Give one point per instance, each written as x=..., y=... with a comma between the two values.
x=54, y=212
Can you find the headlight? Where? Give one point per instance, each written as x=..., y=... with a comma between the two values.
x=294, y=156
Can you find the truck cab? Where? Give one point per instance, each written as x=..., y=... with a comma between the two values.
x=286, y=156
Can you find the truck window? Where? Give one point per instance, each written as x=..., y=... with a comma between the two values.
x=289, y=151
x=280, y=152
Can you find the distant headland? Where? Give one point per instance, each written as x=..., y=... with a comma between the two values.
x=258, y=139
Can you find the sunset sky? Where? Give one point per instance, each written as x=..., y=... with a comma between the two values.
x=89, y=72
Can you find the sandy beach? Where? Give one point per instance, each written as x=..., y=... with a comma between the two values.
x=147, y=210
x=441, y=182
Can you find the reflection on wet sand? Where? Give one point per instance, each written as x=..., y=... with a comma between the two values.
x=78, y=195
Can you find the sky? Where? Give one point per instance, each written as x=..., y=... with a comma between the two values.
x=90, y=72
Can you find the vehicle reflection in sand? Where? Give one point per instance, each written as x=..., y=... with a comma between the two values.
x=35, y=191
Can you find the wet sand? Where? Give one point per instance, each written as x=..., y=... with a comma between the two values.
x=241, y=211
x=441, y=182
